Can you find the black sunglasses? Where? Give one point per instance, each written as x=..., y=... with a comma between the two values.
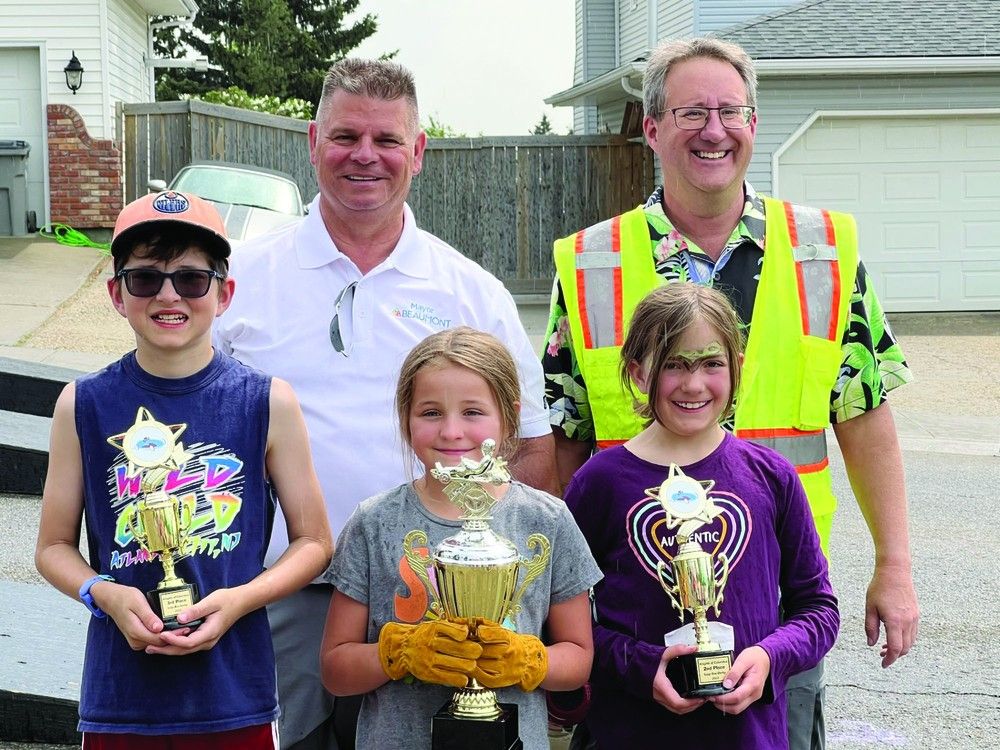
x=190, y=283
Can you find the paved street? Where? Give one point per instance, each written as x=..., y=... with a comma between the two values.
x=946, y=693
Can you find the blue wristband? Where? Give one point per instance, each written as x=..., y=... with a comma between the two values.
x=88, y=600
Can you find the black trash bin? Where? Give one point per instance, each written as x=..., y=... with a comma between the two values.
x=14, y=216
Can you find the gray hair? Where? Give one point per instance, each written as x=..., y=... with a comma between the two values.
x=378, y=79
x=668, y=54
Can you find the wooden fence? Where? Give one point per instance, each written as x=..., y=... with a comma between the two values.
x=158, y=139
x=500, y=200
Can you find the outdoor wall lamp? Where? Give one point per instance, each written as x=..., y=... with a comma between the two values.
x=74, y=74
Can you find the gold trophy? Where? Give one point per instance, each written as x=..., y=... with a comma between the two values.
x=476, y=572
x=159, y=523
x=691, y=585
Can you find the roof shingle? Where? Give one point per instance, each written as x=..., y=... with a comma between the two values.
x=872, y=28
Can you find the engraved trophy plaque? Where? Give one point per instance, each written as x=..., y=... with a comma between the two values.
x=692, y=586
x=159, y=523
x=477, y=577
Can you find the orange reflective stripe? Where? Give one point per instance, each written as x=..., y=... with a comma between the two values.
x=803, y=449
x=771, y=432
x=831, y=239
x=831, y=332
x=616, y=234
x=602, y=444
x=619, y=324
x=581, y=294
x=616, y=247
x=803, y=297
x=831, y=236
x=812, y=468
x=793, y=232
x=793, y=236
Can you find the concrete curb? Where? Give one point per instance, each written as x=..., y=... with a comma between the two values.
x=42, y=636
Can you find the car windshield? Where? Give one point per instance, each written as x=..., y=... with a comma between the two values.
x=244, y=187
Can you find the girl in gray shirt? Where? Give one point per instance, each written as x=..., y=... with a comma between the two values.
x=456, y=389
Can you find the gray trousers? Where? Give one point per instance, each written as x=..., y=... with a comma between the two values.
x=297, y=630
x=806, y=695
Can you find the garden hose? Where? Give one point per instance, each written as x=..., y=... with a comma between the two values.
x=66, y=235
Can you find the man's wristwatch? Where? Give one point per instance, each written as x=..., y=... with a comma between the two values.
x=88, y=600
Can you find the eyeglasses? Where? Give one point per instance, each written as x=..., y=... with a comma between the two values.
x=190, y=283
x=734, y=117
x=346, y=297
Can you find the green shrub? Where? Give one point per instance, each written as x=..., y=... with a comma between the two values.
x=234, y=96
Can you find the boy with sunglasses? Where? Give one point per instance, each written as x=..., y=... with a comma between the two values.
x=177, y=426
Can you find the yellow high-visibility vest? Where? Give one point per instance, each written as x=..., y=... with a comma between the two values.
x=794, y=353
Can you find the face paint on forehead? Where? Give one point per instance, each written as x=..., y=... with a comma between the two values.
x=690, y=357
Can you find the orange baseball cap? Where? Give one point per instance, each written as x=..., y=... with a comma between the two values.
x=145, y=215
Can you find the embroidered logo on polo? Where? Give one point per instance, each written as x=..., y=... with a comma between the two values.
x=651, y=541
x=423, y=313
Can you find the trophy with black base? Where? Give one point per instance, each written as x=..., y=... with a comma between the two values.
x=159, y=524
x=692, y=586
x=477, y=577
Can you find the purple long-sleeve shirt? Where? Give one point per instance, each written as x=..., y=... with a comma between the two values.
x=778, y=595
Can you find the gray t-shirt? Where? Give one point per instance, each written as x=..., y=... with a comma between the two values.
x=369, y=567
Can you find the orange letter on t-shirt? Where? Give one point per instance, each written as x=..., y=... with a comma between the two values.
x=412, y=608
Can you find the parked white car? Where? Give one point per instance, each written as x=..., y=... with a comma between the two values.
x=252, y=200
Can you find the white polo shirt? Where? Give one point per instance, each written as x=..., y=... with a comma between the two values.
x=279, y=322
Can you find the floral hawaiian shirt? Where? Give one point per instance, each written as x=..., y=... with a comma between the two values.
x=873, y=362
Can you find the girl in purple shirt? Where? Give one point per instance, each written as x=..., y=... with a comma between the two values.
x=683, y=354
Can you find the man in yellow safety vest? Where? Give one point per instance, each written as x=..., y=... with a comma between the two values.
x=819, y=349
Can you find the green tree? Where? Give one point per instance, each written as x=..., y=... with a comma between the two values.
x=544, y=127
x=234, y=96
x=279, y=48
x=437, y=129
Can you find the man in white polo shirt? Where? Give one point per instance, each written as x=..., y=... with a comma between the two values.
x=332, y=305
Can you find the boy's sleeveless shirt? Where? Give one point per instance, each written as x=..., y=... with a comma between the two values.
x=225, y=411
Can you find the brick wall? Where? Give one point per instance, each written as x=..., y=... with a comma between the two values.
x=85, y=175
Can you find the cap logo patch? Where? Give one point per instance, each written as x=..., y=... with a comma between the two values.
x=171, y=203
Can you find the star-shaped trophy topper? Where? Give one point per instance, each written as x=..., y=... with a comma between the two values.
x=149, y=444
x=685, y=501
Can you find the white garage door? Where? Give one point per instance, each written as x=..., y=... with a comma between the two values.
x=926, y=195
x=21, y=117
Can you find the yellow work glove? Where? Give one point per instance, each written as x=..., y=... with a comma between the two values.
x=509, y=658
x=437, y=652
